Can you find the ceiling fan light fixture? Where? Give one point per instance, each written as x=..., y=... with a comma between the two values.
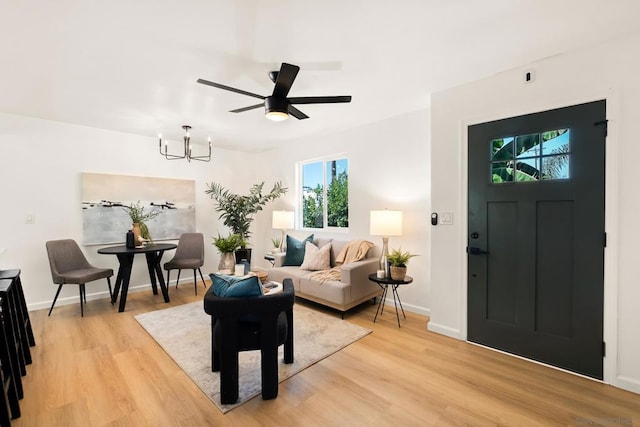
x=277, y=116
x=276, y=109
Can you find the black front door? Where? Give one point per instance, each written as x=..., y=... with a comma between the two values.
x=536, y=236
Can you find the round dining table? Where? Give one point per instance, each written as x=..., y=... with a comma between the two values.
x=153, y=253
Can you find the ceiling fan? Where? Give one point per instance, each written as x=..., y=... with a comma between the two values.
x=278, y=106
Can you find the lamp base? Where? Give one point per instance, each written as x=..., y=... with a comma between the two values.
x=282, y=241
x=384, y=256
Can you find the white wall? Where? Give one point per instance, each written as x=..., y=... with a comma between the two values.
x=42, y=162
x=388, y=168
x=40, y=175
x=607, y=71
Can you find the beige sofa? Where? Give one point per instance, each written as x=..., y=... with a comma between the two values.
x=353, y=288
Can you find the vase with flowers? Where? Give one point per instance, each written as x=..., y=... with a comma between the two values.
x=138, y=221
x=227, y=246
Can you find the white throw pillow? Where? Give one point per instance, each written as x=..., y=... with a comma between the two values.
x=316, y=258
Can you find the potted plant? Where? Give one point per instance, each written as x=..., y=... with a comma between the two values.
x=138, y=220
x=227, y=246
x=276, y=242
x=398, y=261
x=237, y=211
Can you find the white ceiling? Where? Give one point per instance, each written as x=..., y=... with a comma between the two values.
x=132, y=65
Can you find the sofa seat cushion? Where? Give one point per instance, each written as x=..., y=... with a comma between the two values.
x=281, y=273
x=330, y=290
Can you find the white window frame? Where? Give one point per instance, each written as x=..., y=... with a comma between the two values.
x=300, y=192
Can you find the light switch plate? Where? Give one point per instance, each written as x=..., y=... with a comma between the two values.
x=446, y=218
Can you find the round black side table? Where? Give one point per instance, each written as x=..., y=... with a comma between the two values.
x=384, y=283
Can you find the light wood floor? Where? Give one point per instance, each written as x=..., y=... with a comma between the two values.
x=104, y=369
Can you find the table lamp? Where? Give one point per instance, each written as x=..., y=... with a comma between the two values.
x=385, y=223
x=282, y=220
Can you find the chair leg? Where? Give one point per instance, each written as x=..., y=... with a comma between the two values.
x=269, y=358
x=195, y=281
x=168, y=278
x=228, y=376
x=109, y=284
x=228, y=354
x=215, y=355
x=55, y=298
x=203, y=282
x=25, y=312
x=288, y=344
x=12, y=388
x=178, y=279
x=81, y=304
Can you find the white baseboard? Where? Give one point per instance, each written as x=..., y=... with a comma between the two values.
x=409, y=307
x=75, y=299
x=628, y=383
x=443, y=330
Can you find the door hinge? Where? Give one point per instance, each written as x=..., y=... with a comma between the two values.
x=604, y=349
x=604, y=123
x=604, y=240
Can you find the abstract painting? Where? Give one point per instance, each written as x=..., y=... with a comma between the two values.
x=104, y=220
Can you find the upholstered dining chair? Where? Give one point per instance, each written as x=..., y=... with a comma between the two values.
x=69, y=266
x=250, y=323
x=189, y=254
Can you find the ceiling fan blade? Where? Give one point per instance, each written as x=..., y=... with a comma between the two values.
x=319, y=99
x=286, y=76
x=251, y=107
x=229, y=88
x=297, y=113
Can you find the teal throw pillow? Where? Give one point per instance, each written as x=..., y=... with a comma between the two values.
x=295, y=250
x=235, y=287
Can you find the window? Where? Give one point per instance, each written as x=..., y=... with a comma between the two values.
x=533, y=157
x=324, y=190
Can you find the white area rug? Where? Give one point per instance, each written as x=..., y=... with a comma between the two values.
x=184, y=332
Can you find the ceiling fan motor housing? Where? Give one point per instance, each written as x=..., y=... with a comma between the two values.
x=274, y=104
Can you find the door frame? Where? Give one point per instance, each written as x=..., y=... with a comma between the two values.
x=613, y=108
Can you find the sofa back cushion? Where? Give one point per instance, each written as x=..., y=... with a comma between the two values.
x=320, y=242
x=315, y=258
x=295, y=250
x=337, y=246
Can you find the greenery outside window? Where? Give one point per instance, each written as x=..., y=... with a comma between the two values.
x=324, y=193
x=533, y=157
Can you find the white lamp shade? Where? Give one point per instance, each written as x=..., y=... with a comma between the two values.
x=385, y=223
x=282, y=220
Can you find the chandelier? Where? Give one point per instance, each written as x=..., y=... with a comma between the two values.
x=187, y=149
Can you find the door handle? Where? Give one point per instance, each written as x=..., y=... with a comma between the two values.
x=476, y=251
